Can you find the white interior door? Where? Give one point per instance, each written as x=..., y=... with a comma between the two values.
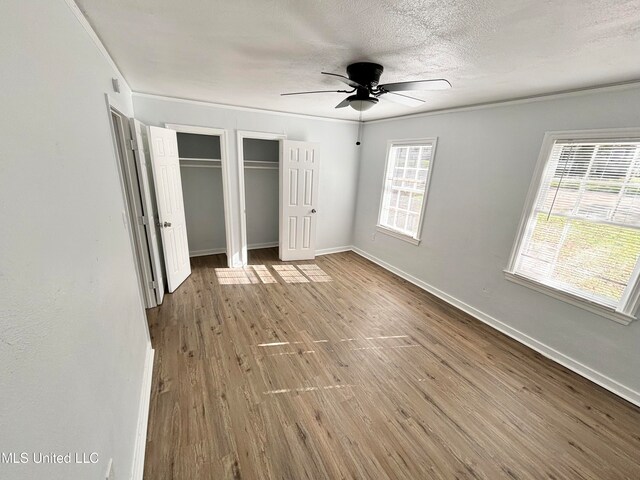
x=163, y=145
x=150, y=221
x=298, y=199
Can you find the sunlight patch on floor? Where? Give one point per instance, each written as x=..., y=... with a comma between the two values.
x=290, y=274
x=306, y=389
x=314, y=273
x=244, y=276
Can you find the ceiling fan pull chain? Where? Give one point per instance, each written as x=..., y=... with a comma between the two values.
x=359, y=128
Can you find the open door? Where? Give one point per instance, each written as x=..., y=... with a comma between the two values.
x=298, y=199
x=163, y=146
x=139, y=134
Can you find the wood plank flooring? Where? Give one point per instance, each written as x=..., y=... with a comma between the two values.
x=362, y=376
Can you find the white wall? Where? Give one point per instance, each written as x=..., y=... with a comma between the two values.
x=72, y=326
x=338, y=161
x=482, y=171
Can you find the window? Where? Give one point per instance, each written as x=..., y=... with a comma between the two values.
x=404, y=191
x=580, y=237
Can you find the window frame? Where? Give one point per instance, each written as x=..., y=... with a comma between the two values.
x=626, y=310
x=415, y=240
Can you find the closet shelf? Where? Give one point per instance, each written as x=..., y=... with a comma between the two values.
x=184, y=159
x=261, y=165
x=201, y=162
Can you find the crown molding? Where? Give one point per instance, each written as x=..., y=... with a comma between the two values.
x=517, y=101
x=238, y=107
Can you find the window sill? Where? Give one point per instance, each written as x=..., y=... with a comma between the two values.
x=592, y=307
x=401, y=236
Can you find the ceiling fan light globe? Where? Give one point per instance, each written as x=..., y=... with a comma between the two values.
x=362, y=105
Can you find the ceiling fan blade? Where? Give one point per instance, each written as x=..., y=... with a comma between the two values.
x=343, y=103
x=314, y=91
x=344, y=79
x=403, y=99
x=435, y=84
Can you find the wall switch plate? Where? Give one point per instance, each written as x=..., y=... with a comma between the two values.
x=109, y=475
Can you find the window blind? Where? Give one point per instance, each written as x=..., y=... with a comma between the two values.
x=405, y=187
x=583, y=235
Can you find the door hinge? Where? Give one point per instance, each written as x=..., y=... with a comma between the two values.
x=132, y=144
x=143, y=220
x=153, y=284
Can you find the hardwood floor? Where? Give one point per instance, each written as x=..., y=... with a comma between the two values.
x=362, y=375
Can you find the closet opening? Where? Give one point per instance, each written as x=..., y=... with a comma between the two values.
x=202, y=153
x=259, y=167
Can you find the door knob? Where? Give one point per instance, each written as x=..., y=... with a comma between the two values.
x=313, y=210
x=166, y=224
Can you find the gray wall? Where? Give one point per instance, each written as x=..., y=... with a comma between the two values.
x=260, y=150
x=204, y=209
x=338, y=161
x=261, y=188
x=191, y=145
x=72, y=325
x=482, y=171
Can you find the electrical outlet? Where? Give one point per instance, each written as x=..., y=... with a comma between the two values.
x=109, y=475
x=373, y=236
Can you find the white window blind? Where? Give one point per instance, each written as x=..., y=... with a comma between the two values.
x=583, y=233
x=405, y=187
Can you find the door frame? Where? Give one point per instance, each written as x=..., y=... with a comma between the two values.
x=226, y=178
x=133, y=216
x=240, y=136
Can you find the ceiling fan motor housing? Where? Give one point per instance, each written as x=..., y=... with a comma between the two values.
x=365, y=73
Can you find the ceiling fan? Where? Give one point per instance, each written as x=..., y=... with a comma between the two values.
x=364, y=77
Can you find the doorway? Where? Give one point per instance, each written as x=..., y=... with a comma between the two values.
x=203, y=169
x=259, y=180
x=137, y=219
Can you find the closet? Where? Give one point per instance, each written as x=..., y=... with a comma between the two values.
x=260, y=161
x=201, y=173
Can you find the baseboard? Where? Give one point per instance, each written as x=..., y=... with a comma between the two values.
x=257, y=246
x=545, y=350
x=204, y=253
x=327, y=251
x=143, y=417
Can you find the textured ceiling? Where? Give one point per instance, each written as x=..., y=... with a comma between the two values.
x=246, y=52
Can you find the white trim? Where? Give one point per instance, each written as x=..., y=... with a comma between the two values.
x=545, y=350
x=328, y=251
x=205, y=252
x=462, y=108
x=433, y=141
x=240, y=136
x=142, y=268
x=95, y=38
x=613, y=87
x=567, y=297
x=398, y=235
x=195, y=129
x=226, y=180
x=624, y=315
x=241, y=108
x=143, y=416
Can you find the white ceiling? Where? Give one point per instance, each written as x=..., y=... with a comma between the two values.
x=247, y=52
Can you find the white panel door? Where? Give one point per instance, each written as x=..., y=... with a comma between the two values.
x=173, y=229
x=298, y=199
x=139, y=134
